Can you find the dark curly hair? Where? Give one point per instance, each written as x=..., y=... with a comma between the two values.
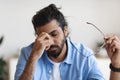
x=48, y=14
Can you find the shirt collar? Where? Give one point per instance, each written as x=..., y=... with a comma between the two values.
x=68, y=58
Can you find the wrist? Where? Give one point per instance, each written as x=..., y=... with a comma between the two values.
x=34, y=56
x=37, y=53
x=116, y=63
x=114, y=69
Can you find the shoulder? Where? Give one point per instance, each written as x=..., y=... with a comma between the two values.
x=82, y=49
x=25, y=51
x=27, y=48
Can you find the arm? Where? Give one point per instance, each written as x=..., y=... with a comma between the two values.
x=29, y=68
x=42, y=43
x=113, y=50
x=115, y=75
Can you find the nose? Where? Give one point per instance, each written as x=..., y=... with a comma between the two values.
x=51, y=40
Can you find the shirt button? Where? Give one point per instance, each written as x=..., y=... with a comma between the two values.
x=50, y=71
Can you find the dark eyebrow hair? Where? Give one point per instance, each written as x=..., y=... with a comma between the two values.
x=52, y=31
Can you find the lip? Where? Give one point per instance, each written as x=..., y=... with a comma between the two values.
x=52, y=49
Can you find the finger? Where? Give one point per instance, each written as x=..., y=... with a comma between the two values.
x=115, y=41
x=40, y=40
x=47, y=43
x=109, y=50
x=110, y=38
x=115, y=45
x=43, y=36
x=112, y=42
x=39, y=36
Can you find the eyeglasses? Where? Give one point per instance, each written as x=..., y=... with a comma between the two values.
x=99, y=31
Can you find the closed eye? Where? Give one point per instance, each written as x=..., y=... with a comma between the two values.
x=54, y=33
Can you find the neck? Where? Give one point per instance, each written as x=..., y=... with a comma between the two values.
x=62, y=55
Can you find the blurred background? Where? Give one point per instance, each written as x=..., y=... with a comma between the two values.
x=16, y=29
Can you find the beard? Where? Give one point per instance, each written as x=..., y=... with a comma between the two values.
x=55, y=50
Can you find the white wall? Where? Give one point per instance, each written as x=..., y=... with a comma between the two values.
x=16, y=26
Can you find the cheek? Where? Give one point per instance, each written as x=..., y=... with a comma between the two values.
x=58, y=41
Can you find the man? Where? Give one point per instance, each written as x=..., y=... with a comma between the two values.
x=54, y=57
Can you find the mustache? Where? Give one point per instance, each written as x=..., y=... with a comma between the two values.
x=54, y=46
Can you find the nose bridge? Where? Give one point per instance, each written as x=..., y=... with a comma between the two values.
x=52, y=40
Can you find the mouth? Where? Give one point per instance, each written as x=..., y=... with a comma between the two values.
x=52, y=49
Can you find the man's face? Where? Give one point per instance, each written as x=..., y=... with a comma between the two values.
x=57, y=35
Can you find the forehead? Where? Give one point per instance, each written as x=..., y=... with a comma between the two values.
x=51, y=26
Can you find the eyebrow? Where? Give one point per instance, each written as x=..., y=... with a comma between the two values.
x=52, y=32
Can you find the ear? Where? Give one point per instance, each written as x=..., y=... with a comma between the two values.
x=66, y=31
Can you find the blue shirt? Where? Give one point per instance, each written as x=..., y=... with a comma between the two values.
x=80, y=64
